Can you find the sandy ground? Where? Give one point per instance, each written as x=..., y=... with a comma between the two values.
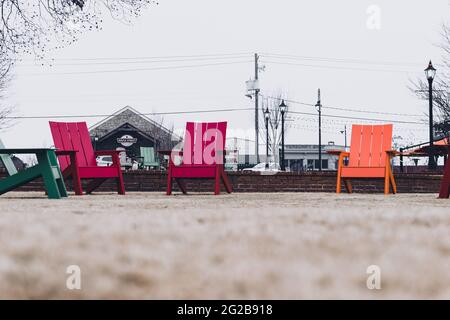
x=296, y=245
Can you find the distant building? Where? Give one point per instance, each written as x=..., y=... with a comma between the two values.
x=128, y=130
x=304, y=157
x=299, y=157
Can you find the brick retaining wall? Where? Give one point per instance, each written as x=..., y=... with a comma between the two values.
x=281, y=182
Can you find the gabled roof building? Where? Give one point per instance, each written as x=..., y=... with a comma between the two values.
x=128, y=130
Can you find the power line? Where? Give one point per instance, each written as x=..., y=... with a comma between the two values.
x=140, y=69
x=234, y=55
x=375, y=112
x=143, y=57
x=208, y=111
x=340, y=60
x=358, y=118
x=334, y=67
x=109, y=115
x=348, y=109
x=142, y=61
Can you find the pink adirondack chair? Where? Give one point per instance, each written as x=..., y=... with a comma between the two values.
x=77, y=158
x=202, y=156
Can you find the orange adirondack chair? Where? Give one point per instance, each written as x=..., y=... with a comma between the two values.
x=77, y=158
x=203, y=156
x=369, y=157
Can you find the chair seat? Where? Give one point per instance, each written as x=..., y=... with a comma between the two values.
x=363, y=172
x=194, y=171
x=151, y=164
x=98, y=172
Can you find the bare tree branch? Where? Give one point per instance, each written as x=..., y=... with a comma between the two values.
x=273, y=103
x=36, y=26
x=40, y=25
x=441, y=87
x=5, y=77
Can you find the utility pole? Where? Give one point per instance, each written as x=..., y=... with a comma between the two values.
x=319, y=109
x=256, y=109
x=345, y=129
x=345, y=137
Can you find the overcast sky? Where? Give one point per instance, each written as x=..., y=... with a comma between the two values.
x=336, y=45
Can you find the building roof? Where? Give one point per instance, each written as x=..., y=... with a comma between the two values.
x=129, y=115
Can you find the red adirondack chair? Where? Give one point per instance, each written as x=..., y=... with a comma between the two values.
x=445, y=184
x=369, y=157
x=202, y=156
x=77, y=158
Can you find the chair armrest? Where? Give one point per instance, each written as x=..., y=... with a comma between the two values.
x=339, y=152
x=169, y=152
x=107, y=152
x=414, y=154
x=24, y=151
x=65, y=152
x=394, y=153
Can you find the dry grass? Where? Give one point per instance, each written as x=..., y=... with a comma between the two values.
x=296, y=245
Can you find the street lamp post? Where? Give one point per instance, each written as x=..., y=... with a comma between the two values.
x=266, y=118
x=430, y=72
x=283, y=108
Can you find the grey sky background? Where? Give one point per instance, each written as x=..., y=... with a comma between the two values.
x=386, y=59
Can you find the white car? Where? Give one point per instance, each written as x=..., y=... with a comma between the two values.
x=261, y=167
x=104, y=161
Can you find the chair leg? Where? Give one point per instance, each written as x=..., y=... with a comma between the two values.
x=76, y=181
x=348, y=186
x=59, y=181
x=94, y=185
x=169, y=181
x=73, y=171
x=338, y=185
x=181, y=185
x=392, y=179
x=445, y=184
x=338, y=181
x=386, y=184
x=226, y=181
x=120, y=185
x=119, y=181
x=48, y=176
x=217, y=181
x=445, y=189
x=50, y=184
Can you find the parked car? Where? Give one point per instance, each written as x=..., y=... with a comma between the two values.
x=261, y=167
x=104, y=161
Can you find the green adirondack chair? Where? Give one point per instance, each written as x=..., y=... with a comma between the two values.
x=47, y=168
x=149, y=158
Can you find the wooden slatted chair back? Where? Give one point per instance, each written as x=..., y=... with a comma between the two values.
x=369, y=144
x=204, y=143
x=148, y=153
x=73, y=136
